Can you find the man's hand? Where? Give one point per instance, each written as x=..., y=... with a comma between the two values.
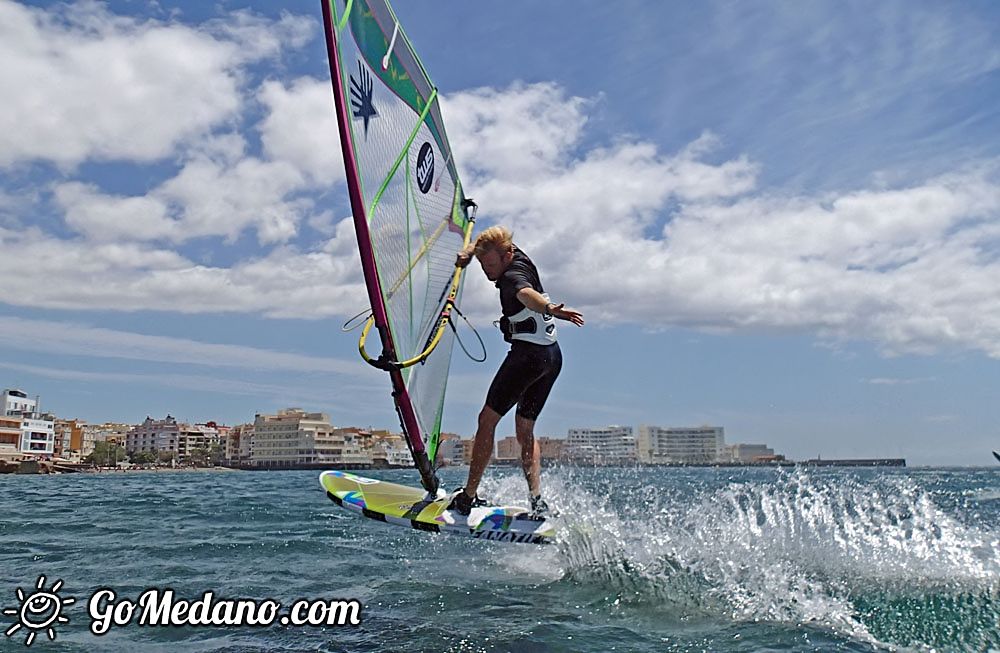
x=560, y=311
x=463, y=259
x=537, y=302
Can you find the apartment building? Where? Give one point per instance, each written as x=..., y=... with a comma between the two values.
x=748, y=453
x=10, y=434
x=35, y=432
x=158, y=436
x=196, y=442
x=609, y=445
x=295, y=438
x=239, y=444
x=680, y=444
x=391, y=450
x=449, y=450
x=71, y=439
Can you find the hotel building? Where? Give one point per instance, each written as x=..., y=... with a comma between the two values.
x=158, y=436
x=666, y=445
x=749, y=453
x=610, y=445
x=295, y=438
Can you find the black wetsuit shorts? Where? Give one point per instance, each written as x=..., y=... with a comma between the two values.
x=525, y=378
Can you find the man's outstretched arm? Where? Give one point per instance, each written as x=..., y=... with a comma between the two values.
x=534, y=300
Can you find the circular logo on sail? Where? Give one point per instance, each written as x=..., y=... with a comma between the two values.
x=425, y=167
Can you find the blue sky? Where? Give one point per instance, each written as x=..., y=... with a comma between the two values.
x=782, y=220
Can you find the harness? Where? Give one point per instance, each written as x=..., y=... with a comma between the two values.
x=529, y=326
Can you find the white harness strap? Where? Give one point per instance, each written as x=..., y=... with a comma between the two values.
x=544, y=332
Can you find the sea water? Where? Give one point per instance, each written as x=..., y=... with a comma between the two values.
x=649, y=559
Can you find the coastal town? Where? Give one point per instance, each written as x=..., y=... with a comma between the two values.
x=292, y=438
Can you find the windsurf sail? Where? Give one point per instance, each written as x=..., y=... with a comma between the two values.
x=410, y=214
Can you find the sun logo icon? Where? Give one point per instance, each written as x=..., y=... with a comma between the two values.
x=39, y=611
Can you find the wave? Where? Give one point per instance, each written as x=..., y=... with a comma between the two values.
x=874, y=559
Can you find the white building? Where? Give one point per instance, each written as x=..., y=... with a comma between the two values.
x=295, y=438
x=390, y=449
x=246, y=444
x=610, y=445
x=38, y=436
x=108, y=432
x=15, y=404
x=239, y=444
x=748, y=453
x=35, y=434
x=18, y=404
x=154, y=436
x=355, y=449
x=195, y=439
x=683, y=444
x=449, y=451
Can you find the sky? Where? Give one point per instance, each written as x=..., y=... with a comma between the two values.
x=782, y=220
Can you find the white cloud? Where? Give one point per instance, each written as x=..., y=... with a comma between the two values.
x=83, y=83
x=558, y=198
x=912, y=268
x=516, y=133
x=625, y=230
x=301, y=128
x=218, y=192
x=71, y=274
x=261, y=38
x=108, y=218
x=941, y=418
x=886, y=265
x=222, y=199
x=882, y=380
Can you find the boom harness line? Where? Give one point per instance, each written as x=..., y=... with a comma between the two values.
x=444, y=317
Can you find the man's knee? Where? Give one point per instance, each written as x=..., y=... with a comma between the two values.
x=524, y=428
x=488, y=418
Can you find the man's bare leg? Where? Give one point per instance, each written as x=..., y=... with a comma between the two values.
x=482, y=448
x=531, y=457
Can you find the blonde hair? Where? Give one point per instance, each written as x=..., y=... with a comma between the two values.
x=496, y=238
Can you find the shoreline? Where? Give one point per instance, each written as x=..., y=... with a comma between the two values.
x=155, y=470
x=41, y=470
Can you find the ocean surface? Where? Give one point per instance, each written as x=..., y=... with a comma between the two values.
x=649, y=560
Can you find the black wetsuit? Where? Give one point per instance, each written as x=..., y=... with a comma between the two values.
x=527, y=373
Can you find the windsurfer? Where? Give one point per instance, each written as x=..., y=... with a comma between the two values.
x=527, y=373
